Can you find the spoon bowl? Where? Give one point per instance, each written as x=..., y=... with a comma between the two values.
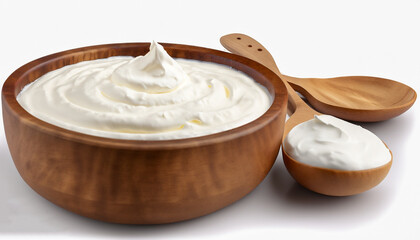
x=334, y=182
x=325, y=181
x=356, y=98
x=353, y=98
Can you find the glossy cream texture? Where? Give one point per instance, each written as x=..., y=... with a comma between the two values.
x=330, y=142
x=151, y=97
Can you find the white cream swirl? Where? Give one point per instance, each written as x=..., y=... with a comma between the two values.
x=156, y=72
x=151, y=97
x=330, y=142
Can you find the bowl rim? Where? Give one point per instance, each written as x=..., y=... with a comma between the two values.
x=279, y=100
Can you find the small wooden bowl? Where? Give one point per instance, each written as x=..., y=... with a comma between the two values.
x=142, y=182
x=334, y=182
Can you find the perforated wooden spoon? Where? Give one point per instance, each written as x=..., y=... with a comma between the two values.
x=326, y=181
x=354, y=98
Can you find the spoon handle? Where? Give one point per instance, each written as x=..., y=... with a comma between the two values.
x=246, y=46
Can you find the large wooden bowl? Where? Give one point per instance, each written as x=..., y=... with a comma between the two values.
x=142, y=182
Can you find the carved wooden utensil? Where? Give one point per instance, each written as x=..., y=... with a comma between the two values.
x=354, y=98
x=326, y=181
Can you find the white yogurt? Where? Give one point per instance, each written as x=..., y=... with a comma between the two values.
x=151, y=97
x=329, y=142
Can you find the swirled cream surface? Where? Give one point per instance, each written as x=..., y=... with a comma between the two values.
x=150, y=97
x=330, y=142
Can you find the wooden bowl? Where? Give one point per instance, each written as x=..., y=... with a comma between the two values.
x=142, y=182
x=334, y=182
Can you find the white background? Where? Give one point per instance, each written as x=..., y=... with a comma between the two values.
x=306, y=38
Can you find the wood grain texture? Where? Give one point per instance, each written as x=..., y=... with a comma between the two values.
x=321, y=180
x=354, y=98
x=141, y=182
x=333, y=182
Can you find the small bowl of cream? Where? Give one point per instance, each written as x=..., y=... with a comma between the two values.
x=335, y=157
x=143, y=133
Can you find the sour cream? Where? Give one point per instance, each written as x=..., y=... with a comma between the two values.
x=150, y=97
x=330, y=142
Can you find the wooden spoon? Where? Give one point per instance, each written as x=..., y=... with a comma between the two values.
x=354, y=98
x=326, y=181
